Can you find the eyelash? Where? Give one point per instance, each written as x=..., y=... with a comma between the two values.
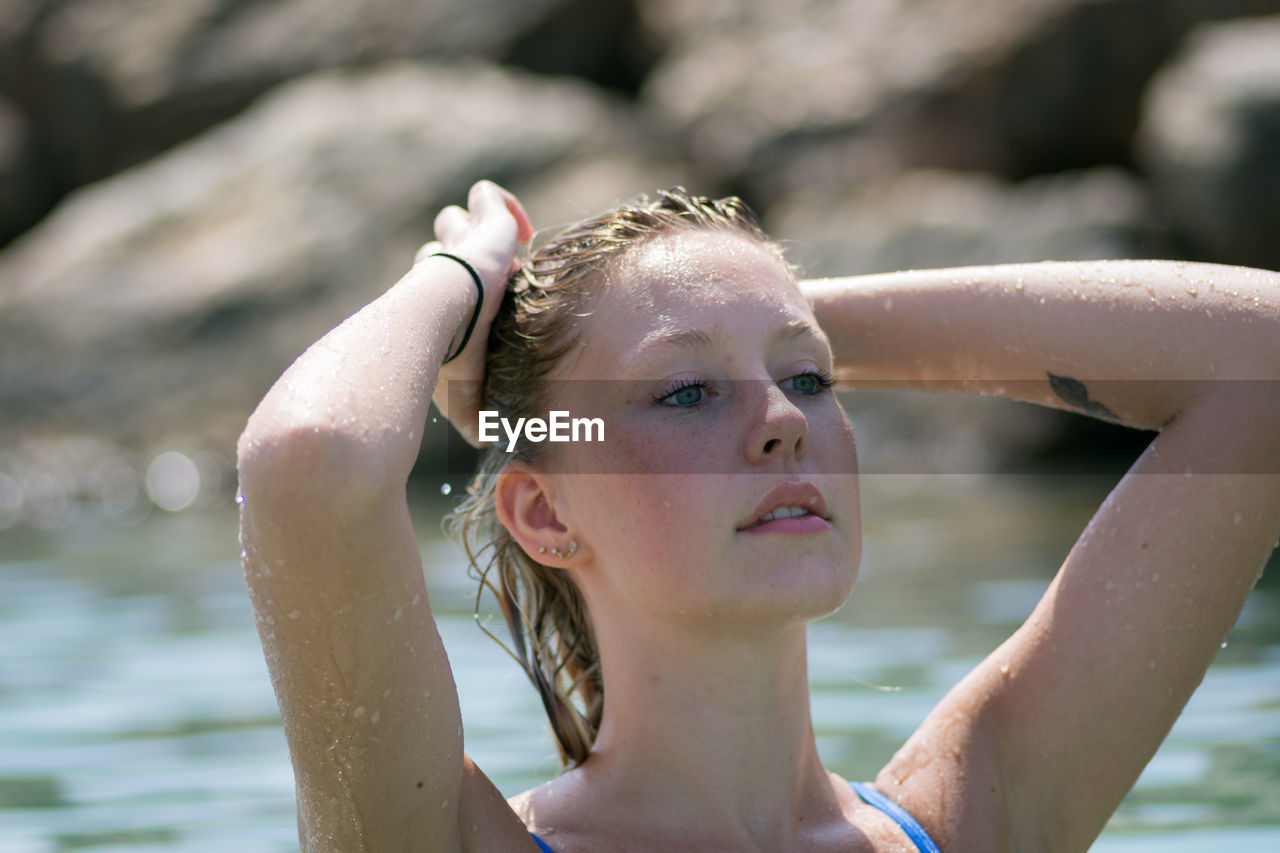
x=825, y=380
x=825, y=383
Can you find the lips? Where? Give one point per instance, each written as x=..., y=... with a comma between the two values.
x=785, y=501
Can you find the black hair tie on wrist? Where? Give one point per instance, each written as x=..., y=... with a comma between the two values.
x=475, y=315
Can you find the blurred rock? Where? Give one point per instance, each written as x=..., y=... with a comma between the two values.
x=165, y=300
x=1211, y=143
x=1014, y=87
x=111, y=82
x=921, y=433
x=25, y=191
x=931, y=219
x=604, y=43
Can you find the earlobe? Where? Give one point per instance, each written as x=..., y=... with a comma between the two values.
x=526, y=506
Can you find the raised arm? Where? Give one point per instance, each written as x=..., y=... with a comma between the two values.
x=1037, y=746
x=369, y=704
x=1071, y=335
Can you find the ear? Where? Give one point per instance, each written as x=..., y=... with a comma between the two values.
x=525, y=500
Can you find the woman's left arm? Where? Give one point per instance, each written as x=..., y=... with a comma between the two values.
x=1057, y=723
x=1130, y=341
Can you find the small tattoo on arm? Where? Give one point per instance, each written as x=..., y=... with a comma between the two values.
x=1074, y=394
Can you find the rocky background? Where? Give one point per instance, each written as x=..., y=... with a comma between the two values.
x=192, y=191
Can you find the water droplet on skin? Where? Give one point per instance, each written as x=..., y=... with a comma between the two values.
x=1235, y=519
x=445, y=489
x=358, y=712
x=396, y=617
x=295, y=614
x=239, y=498
x=1224, y=645
x=1004, y=670
x=377, y=715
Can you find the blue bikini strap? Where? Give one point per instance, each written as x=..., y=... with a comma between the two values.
x=903, y=818
x=542, y=845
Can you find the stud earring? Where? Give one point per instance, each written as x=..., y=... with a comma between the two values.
x=568, y=552
x=542, y=549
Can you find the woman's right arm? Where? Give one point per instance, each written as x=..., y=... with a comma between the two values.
x=333, y=568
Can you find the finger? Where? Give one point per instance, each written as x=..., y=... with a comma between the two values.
x=523, y=222
x=450, y=223
x=427, y=250
x=486, y=196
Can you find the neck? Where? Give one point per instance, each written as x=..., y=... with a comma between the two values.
x=713, y=730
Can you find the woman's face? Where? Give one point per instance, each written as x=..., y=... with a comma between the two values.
x=708, y=370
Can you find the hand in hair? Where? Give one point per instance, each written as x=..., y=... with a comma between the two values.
x=486, y=235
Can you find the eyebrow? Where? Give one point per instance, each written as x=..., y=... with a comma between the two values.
x=694, y=338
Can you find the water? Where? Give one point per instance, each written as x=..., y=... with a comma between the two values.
x=136, y=713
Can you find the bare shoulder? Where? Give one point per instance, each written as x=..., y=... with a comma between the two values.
x=562, y=813
x=947, y=774
x=558, y=805
x=488, y=821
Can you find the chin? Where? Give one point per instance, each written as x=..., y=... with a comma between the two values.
x=804, y=592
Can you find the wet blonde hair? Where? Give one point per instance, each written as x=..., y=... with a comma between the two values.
x=540, y=320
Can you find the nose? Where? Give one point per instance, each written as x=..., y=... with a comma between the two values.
x=779, y=429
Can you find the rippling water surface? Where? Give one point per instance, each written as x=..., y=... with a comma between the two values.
x=136, y=713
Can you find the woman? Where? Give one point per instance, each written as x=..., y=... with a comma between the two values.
x=679, y=586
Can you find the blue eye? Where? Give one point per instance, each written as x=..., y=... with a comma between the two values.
x=686, y=395
x=812, y=382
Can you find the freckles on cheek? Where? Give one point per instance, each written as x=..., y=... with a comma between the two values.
x=654, y=453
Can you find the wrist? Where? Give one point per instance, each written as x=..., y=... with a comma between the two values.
x=462, y=337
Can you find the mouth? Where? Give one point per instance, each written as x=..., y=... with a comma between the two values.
x=795, y=507
x=780, y=512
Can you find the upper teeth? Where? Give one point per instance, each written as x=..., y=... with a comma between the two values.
x=783, y=512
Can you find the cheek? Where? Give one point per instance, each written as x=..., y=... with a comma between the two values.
x=831, y=435
x=658, y=513
x=682, y=447
x=656, y=535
